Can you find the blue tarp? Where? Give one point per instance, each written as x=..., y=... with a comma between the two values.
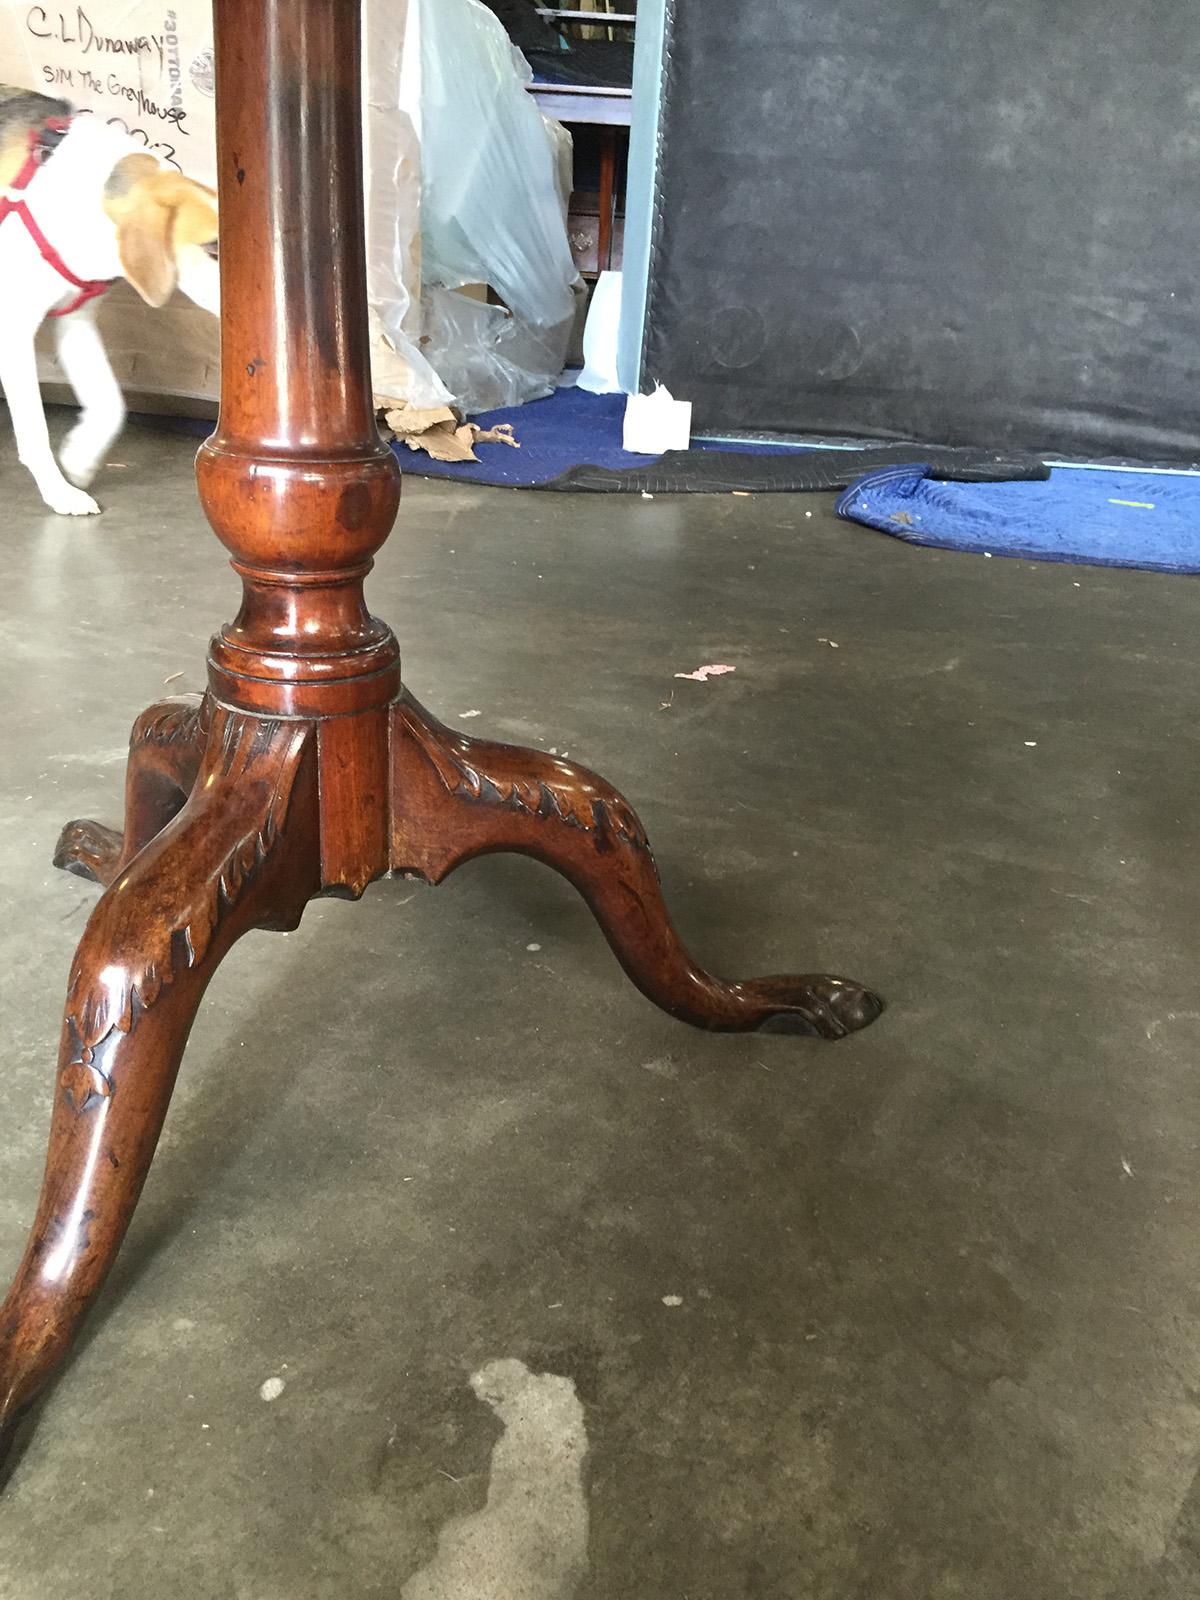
x=1103, y=518
x=571, y=426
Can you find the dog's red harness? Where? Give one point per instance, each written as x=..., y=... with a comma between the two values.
x=42, y=142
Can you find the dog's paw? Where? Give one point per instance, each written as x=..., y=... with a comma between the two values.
x=71, y=502
x=78, y=459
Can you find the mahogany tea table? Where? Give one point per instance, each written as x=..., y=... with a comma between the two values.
x=307, y=769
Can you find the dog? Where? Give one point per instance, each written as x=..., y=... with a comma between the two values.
x=82, y=204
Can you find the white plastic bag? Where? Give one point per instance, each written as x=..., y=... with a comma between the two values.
x=400, y=370
x=492, y=212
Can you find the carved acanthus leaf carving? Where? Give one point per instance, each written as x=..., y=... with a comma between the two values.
x=84, y=1082
x=542, y=785
x=180, y=721
x=163, y=911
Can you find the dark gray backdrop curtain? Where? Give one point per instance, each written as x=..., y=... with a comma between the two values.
x=963, y=221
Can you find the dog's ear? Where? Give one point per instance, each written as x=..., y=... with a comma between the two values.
x=144, y=245
x=144, y=223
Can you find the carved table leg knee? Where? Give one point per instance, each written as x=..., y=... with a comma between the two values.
x=165, y=750
x=455, y=797
x=242, y=853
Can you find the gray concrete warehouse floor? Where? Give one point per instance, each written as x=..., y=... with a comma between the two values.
x=910, y=1317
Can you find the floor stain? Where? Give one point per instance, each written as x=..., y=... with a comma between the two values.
x=529, y=1541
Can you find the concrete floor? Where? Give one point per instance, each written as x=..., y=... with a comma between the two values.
x=912, y=1317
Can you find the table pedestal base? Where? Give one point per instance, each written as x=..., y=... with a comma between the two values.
x=235, y=821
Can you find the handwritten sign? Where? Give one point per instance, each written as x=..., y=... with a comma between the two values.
x=143, y=67
x=147, y=66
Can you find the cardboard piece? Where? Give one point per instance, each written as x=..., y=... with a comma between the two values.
x=441, y=432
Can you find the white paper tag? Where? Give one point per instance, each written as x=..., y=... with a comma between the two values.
x=656, y=422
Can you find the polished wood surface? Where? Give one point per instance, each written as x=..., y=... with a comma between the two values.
x=459, y=798
x=306, y=769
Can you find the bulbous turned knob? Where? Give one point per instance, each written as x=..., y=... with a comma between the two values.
x=302, y=529
x=302, y=513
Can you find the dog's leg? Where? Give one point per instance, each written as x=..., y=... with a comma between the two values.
x=85, y=362
x=18, y=375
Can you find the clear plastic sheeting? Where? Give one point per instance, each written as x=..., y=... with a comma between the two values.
x=493, y=212
x=400, y=370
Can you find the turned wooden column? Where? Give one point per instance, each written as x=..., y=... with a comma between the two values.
x=296, y=481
